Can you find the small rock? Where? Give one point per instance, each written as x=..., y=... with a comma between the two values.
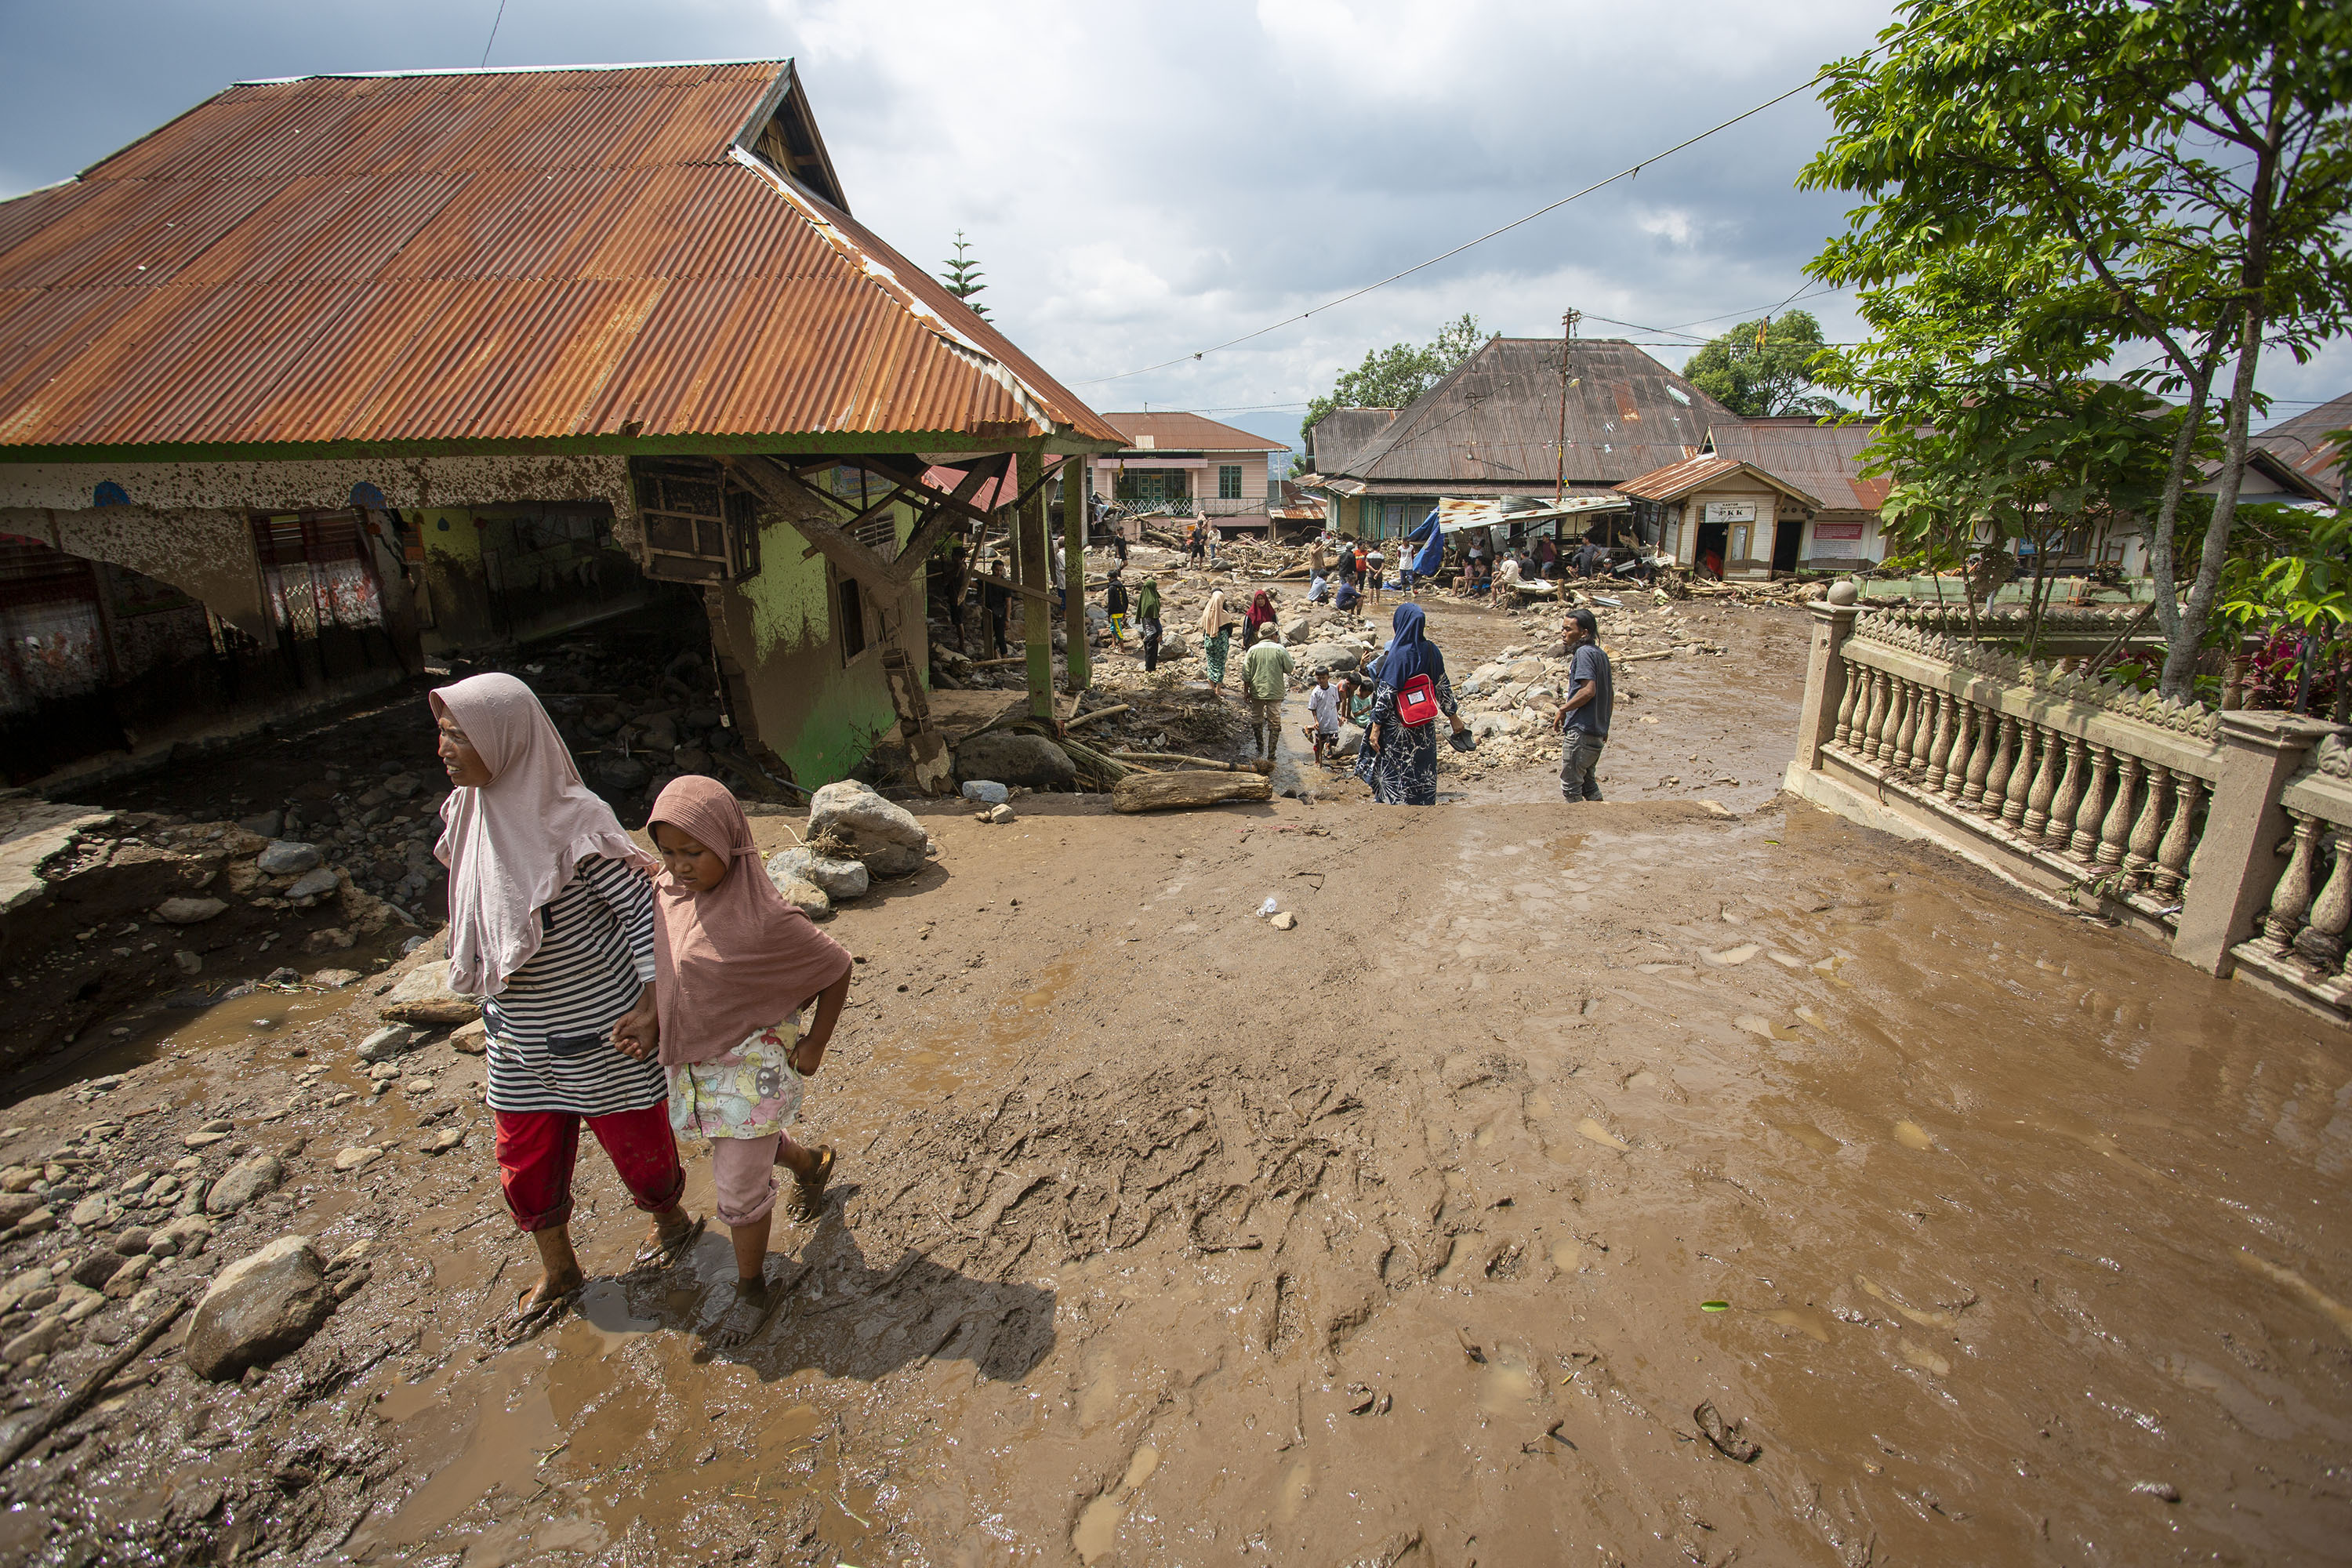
x=1286, y=920
x=188, y=912
x=96, y=1212
x=282, y=975
x=985, y=792
x=205, y=1140
x=335, y=979
x=383, y=1071
x=423, y=997
x=15, y=1206
x=1000, y=814
x=311, y=885
x=840, y=878
x=286, y=858
x=2163, y=1491
x=188, y=963
x=79, y=1302
x=403, y=785
x=39, y=1220
x=269, y=824
x=418, y=1086
x=386, y=1043
x=441, y=1142
x=1008, y=756
x=242, y=1182
x=46, y=1337
x=24, y=1286
x=805, y=896
x=357, y=1159
x=624, y=773
x=262, y=1307
x=125, y=1280
x=132, y=1240
x=91, y=1272
x=473, y=1038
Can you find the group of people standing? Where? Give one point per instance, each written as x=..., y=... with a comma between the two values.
x=641, y=995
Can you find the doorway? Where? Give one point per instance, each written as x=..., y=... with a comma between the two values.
x=1787, y=534
x=1710, y=543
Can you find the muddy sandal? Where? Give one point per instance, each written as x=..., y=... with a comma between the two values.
x=808, y=1197
x=664, y=1250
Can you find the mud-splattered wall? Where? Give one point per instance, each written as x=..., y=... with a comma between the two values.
x=817, y=706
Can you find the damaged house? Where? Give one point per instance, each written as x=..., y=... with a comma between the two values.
x=327, y=373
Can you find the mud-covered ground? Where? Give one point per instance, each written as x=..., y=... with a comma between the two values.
x=1420, y=1233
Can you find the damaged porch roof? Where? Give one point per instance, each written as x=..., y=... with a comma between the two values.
x=608, y=258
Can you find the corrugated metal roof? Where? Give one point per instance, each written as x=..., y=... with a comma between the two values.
x=1823, y=459
x=2302, y=441
x=1496, y=419
x=1677, y=480
x=479, y=258
x=1341, y=433
x=1189, y=433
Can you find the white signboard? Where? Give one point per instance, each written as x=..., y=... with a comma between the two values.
x=1730, y=511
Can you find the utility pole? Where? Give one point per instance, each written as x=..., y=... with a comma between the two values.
x=1567, y=348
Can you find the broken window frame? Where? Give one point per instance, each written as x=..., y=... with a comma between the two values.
x=688, y=539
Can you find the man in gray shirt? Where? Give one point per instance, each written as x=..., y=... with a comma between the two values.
x=1584, y=718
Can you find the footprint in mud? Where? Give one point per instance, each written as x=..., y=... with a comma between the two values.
x=1097, y=1532
x=1600, y=1134
x=1766, y=1029
x=1733, y=955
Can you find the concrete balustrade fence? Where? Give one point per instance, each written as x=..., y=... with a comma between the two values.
x=2222, y=835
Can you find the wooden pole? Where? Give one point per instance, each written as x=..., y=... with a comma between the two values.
x=1074, y=488
x=1036, y=573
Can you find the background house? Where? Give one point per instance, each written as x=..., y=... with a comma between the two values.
x=1182, y=465
x=2304, y=442
x=1521, y=416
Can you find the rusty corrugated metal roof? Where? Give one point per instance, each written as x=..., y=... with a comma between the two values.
x=482, y=258
x=1677, y=480
x=2303, y=441
x=1824, y=459
x=1189, y=433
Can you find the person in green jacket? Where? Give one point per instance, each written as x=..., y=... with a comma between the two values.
x=1147, y=620
x=1266, y=681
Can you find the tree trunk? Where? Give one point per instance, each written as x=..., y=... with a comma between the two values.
x=1162, y=792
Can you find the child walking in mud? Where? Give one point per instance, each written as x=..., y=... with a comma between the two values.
x=734, y=965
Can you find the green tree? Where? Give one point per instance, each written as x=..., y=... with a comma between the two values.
x=1763, y=367
x=1396, y=376
x=962, y=277
x=2166, y=179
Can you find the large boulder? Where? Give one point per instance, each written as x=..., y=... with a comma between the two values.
x=1334, y=656
x=882, y=834
x=423, y=997
x=262, y=1307
x=1015, y=757
x=839, y=878
x=802, y=895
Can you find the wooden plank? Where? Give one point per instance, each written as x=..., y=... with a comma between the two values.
x=1186, y=791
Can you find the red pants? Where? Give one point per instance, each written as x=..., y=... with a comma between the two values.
x=538, y=1149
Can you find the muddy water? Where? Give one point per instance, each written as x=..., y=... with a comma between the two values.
x=1440, y=1221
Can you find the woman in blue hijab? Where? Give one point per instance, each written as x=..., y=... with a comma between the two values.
x=1399, y=760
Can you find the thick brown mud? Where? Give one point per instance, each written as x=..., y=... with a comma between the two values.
x=1616, y=1184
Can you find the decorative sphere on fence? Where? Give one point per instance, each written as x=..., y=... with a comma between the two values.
x=1842, y=591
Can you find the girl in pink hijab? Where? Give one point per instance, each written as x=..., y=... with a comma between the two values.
x=736, y=965
x=551, y=924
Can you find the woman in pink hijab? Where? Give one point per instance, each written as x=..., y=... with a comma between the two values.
x=551, y=924
x=735, y=966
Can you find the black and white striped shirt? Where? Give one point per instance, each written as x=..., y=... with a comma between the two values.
x=550, y=1028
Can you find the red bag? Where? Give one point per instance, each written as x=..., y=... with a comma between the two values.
x=1417, y=701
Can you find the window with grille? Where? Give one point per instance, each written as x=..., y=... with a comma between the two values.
x=699, y=529
x=1229, y=481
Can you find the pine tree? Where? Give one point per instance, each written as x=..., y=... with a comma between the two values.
x=962, y=277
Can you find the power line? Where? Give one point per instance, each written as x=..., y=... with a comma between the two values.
x=494, y=31
x=1629, y=172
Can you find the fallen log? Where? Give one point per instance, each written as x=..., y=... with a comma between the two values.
x=1170, y=791
x=1098, y=713
x=1638, y=657
x=1202, y=764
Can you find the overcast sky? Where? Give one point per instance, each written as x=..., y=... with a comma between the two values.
x=1141, y=183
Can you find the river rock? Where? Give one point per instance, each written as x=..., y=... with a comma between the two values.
x=1350, y=742
x=268, y=824
x=312, y=884
x=1015, y=757
x=335, y=979
x=288, y=857
x=188, y=912
x=358, y=1159
x=386, y=1043
x=96, y=1212
x=403, y=785
x=43, y=1338
x=883, y=835
x=985, y=792
x=242, y=1182
x=262, y=1307
x=839, y=878
x=423, y=997
x=15, y=1206
x=803, y=896
x=22, y=1287
x=1335, y=655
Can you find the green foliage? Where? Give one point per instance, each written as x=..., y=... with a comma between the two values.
x=962, y=277
x=1396, y=376
x=2290, y=566
x=2052, y=188
x=1763, y=368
